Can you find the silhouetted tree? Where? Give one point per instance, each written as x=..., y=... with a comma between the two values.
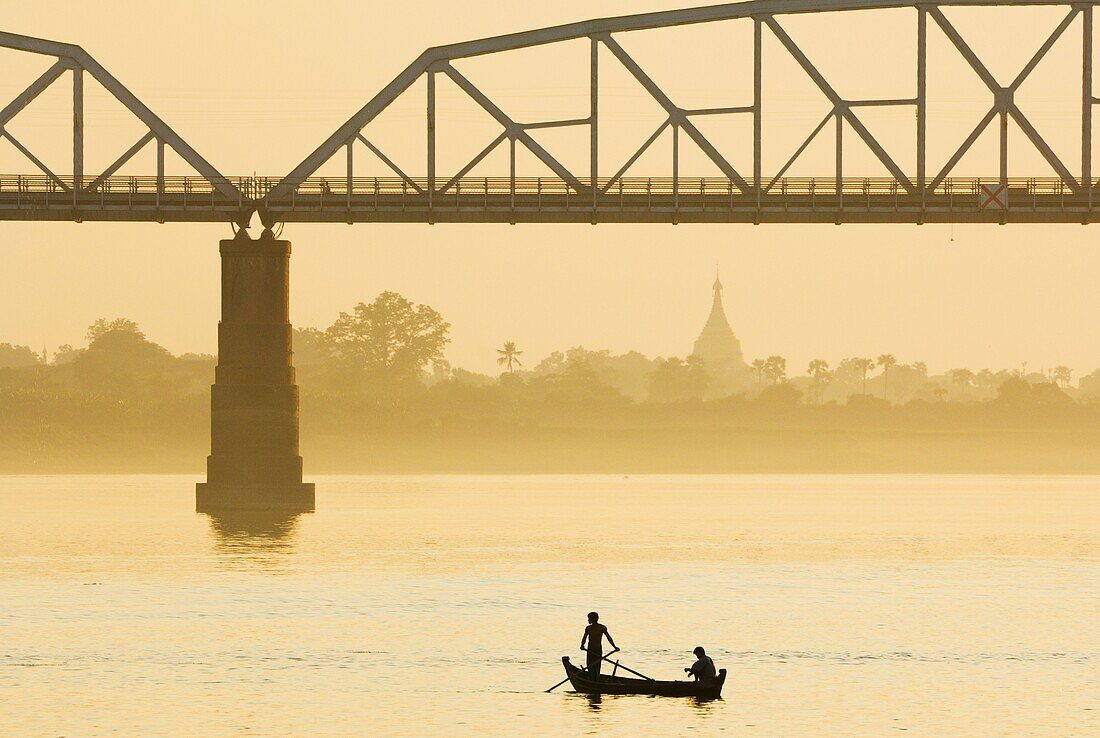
x=103, y=326
x=391, y=340
x=779, y=396
x=676, y=380
x=576, y=386
x=17, y=356
x=962, y=377
x=1017, y=391
x=819, y=372
x=886, y=361
x=1089, y=385
x=66, y=354
x=509, y=356
x=758, y=367
x=311, y=347
x=121, y=362
x=626, y=373
x=775, y=368
x=1062, y=375
x=862, y=366
x=920, y=367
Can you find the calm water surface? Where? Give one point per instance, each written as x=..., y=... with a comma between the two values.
x=413, y=606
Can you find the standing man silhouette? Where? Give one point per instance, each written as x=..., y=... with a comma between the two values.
x=593, y=635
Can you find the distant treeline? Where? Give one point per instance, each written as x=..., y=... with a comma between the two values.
x=378, y=395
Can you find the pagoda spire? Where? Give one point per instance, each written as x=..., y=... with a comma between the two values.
x=719, y=348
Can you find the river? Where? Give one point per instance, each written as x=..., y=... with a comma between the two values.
x=441, y=605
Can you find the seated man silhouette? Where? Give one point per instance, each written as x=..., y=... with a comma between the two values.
x=594, y=634
x=703, y=669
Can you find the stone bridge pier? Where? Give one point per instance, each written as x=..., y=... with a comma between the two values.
x=254, y=462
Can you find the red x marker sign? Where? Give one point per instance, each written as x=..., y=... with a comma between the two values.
x=994, y=197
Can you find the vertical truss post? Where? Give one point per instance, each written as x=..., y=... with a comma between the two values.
x=853, y=120
x=431, y=137
x=1004, y=148
x=594, y=122
x=78, y=129
x=1086, y=99
x=839, y=159
x=160, y=169
x=757, y=116
x=512, y=170
x=676, y=167
x=922, y=100
x=351, y=160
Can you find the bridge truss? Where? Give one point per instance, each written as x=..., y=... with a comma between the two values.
x=910, y=193
x=47, y=195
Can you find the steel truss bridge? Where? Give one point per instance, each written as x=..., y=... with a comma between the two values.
x=911, y=193
x=255, y=462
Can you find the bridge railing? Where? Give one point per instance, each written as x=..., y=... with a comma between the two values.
x=335, y=191
x=119, y=185
x=315, y=188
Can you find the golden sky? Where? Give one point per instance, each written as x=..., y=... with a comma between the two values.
x=256, y=86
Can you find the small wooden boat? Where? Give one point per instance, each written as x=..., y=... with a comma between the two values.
x=608, y=684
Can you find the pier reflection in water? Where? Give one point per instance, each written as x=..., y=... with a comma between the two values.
x=240, y=531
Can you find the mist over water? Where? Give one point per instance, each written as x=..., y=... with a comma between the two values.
x=410, y=606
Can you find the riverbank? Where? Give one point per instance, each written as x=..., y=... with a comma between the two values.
x=591, y=451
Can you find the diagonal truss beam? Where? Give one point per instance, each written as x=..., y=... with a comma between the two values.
x=556, y=124
x=1042, y=52
x=637, y=155
x=678, y=116
x=757, y=10
x=1040, y=143
x=722, y=111
x=961, y=151
x=389, y=163
x=126, y=156
x=70, y=56
x=160, y=129
x=514, y=130
x=841, y=106
x=1003, y=96
x=600, y=31
x=798, y=152
x=474, y=162
x=33, y=159
x=35, y=89
x=964, y=48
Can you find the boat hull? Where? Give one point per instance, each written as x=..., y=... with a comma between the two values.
x=607, y=684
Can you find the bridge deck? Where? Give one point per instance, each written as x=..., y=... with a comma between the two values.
x=546, y=200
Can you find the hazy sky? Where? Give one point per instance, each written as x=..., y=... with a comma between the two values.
x=256, y=86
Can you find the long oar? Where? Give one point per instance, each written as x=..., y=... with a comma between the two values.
x=626, y=668
x=563, y=681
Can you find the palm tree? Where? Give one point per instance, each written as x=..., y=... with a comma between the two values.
x=775, y=368
x=886, y=361
x=509, y=356
x=962, y=377
x=921, y=368
x=758, y=367
x=1063, y=375
x=819, y=370
x=863, y=366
